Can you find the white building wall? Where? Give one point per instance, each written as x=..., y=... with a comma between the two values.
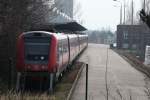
x=147, y=55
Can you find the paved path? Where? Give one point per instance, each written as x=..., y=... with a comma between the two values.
x=124, y=82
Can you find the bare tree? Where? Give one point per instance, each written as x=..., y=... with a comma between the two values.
x=146, y=6
x=130, y=14
x=40, y=12
x=77, y=13
x=145, y=17
x=24, y=13
x=17, y=16
x=145, y=12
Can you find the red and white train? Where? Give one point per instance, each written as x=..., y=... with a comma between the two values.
x=41, y=53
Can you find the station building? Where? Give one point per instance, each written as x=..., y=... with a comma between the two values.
x=133, y=37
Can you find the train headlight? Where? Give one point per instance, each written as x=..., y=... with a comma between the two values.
x=42, y=58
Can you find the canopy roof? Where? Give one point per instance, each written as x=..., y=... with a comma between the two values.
x=71, y=26
x=59, y=27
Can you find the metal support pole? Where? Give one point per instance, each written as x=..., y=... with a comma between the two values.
x=86, y=90
x=144, y=5
x=18, y=81
x=124, y=12
x=51, y=76
x=121, y=17
x=10, y=73
x=121, y=14
x=132, y=13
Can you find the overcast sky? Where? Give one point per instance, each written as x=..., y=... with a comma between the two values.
x=98, y=14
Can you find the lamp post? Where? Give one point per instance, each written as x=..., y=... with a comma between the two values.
x=144, y=6
x=121, y=10
x=132, y=13
x=124, y=12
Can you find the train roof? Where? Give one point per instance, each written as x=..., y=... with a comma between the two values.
x=45, y=32
x=59, y=36
x=83, y=35
x=72, y=35
x=58, y=27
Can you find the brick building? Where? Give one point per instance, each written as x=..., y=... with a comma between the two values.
x=133, y=37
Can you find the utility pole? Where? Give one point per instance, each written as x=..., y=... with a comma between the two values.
x=121, y=14
x=144, y=6
x=124, y=12
x=132, y=13
x=120, y=10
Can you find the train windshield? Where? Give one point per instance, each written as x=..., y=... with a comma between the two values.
x=37, y=50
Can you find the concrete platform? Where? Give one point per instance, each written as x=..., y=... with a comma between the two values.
x=124, y=82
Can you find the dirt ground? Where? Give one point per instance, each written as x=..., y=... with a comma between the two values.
x=137, y=64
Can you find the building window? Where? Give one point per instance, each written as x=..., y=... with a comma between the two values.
x=125, y=46
x=125, y=35
x=134, y=46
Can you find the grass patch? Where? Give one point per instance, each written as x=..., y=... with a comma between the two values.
x=60, y=92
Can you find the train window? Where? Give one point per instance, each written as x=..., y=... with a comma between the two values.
x=65, y=46
x=37, y=51
x=37, y=39
x=60, y=49
x=58, y=53
x=65, y=49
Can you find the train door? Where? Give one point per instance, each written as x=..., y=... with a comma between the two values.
x=65, y=51
x=59, y=57
x=74, y=48
x=79, y=43
x=69, y=59
x=71, y=50
x=77, y=46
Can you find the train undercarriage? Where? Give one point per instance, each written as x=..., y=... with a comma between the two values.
x=29, y=81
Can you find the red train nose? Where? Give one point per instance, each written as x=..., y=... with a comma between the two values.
x=36, y=67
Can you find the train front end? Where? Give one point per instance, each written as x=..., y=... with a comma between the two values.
x=36, y=52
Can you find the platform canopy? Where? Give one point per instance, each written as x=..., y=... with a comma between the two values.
x=59, y=27
x=71, y=26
